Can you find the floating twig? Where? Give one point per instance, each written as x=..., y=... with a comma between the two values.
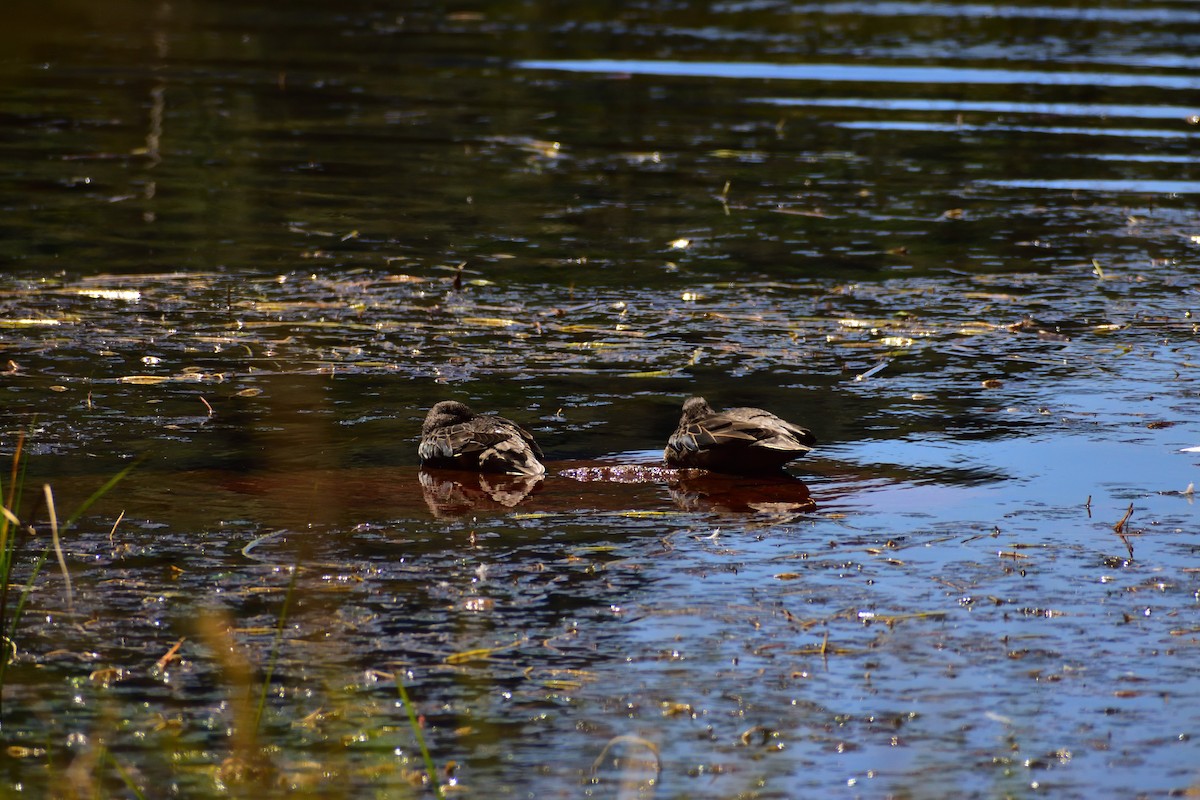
x=1119, y=528
x=169, y=656
x=482, y=653
x=114, y=527
x=862, y=376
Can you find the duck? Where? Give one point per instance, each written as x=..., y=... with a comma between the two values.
x=736, y=440
x=455, y=437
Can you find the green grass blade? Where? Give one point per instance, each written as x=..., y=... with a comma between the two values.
x=103, y=490
x=415, y=724
x=283, y=614
x=11, y=636
x=124, y=774
x=9, y=526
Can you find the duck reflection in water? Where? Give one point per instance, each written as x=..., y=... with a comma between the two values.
x=696, y=490
x=452, y=493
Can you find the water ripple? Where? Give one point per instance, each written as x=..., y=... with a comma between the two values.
x=865, y=73
x=1104, y=110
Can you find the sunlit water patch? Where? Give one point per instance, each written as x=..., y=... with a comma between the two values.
x=867, y=73
x=1182, y=113
x=957, y=128
x=1116, y=187
x=1163, y=16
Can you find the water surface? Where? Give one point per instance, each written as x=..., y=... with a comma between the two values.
x=247, y=246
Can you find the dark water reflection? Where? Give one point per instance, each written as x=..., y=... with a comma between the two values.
x=250, y=245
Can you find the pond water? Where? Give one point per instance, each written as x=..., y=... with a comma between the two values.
x=247, y=245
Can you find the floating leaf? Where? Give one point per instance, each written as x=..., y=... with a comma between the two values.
x=143, y=380
x=560, y=685
x=799, y=212
x=28, y=323
x=989, y=296
x=976, y=328
x=657, y=373
x=490, y=322
x=481, y=653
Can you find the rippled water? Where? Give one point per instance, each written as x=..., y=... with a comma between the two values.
x=246, y=246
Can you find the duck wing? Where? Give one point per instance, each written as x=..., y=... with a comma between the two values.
x=717, y=430
x=769, y=430
x=528, y=438
x=741, y=427
x=465, y=438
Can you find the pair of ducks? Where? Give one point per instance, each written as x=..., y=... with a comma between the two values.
x=737, y=440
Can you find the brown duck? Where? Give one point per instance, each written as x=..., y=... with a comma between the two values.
x=738, y=440
x=454, y=437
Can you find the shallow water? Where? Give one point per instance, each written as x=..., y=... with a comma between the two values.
x=247, y=246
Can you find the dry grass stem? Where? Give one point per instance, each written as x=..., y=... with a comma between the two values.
x=120, y=517
x=1119, y=528
x=58, y=552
